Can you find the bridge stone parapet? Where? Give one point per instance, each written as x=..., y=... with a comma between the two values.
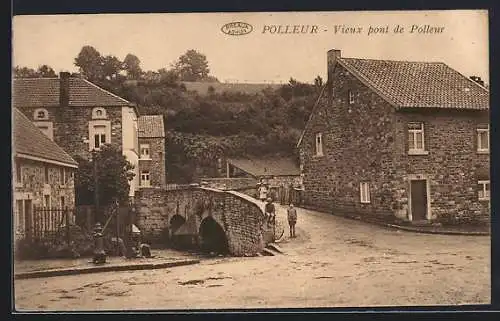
x=195, y=211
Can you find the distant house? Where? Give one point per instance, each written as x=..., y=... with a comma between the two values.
x=275, y=172
x=80, y=116
x=398, y=139
x=152, y=151
x=42, y=175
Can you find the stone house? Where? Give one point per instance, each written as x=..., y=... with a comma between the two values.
x=42, y=174
x=80, y=116
x=152, y=151
x=398, y=139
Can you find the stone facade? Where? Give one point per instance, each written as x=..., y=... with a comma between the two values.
x=367, y=141
x=240, y=216
x=71, y=127
x=155, y=164
x=31, y=190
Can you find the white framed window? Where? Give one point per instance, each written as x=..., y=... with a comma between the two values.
x=416, y=140
x=350, y=96
x=145, y=151
x=364, y=192
x=483, y=138
x=145, y=179
x=99, y=136
x=41, y=114
x=99, y=113
x=484, y=190
x=319, y=144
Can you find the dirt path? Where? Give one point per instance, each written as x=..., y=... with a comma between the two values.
x=333, y=262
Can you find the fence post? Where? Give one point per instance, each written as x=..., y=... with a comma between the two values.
x=68, y=234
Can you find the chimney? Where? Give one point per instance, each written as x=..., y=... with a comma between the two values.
x=331, y=60
x=64, y=89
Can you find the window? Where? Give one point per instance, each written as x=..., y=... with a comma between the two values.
x=46, y=200
x=350, y=95
x=98, y=113
x=364, y=191
x=19, y=174
x=483, y=138
x=99, y=136
x=416, y=144
x=145, y=179
x=145, y=151
x=41, y=114
x=319, y=144
x=46, y=176
x=62, y=176
x=484, y=190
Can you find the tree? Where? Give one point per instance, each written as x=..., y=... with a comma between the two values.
x=132, y=65
x=43, y=71
x=46, y=71
x=111, y=67
x=90, y=63
x=192, y=66
x=113, y=175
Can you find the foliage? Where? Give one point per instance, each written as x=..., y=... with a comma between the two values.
x=202, y=128
x=43, y=71
x=192, y=66
x=113, y=175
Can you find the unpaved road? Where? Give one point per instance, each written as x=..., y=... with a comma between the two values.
x=333, y=262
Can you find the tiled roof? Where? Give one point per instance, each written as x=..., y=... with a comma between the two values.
x=29, y=140
x=44, y=92
x=419, y=84
x=267, y=166
x=151, y=126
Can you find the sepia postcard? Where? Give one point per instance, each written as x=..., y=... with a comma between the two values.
x=189, y=161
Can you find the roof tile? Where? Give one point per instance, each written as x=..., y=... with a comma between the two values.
x=29, y=140
x=419, y=84
x=151, y=126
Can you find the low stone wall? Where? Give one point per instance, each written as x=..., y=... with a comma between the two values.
x=224, y=183
x=239, y=215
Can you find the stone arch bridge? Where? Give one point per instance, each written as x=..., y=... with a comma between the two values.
x=211, y=219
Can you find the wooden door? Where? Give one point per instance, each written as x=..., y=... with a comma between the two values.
x=419, y=200
x=28, y=214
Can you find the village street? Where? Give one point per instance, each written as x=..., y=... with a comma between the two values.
x=333, y=262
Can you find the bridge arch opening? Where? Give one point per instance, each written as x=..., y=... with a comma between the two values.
x=213, y=237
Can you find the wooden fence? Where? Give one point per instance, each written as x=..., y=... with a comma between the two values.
x=49, y=224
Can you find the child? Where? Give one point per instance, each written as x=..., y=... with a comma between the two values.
x=292, y=219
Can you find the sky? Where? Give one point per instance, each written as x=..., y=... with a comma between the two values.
x=159, y=39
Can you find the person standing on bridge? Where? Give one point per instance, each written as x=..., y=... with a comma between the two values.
x=292, y=219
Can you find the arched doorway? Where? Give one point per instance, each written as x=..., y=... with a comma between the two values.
x=213, y=237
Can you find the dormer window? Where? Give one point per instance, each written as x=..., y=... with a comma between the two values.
x=98, y=113
x=41, y=114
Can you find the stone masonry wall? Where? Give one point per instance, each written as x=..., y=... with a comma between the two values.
x=155, y=165
x=239, y=215
x=34, y=188
x=71, y=127
x=358, y=141
x=452, y=164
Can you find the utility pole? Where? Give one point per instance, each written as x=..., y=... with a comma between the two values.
x=97, y=216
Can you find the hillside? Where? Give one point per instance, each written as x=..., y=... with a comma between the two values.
x=202, y=88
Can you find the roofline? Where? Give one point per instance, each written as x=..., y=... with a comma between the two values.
x=107, y=91
x=45, y=160
x=310, y=116
x=366, y=81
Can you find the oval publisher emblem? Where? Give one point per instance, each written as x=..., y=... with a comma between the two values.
x=236, y=28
